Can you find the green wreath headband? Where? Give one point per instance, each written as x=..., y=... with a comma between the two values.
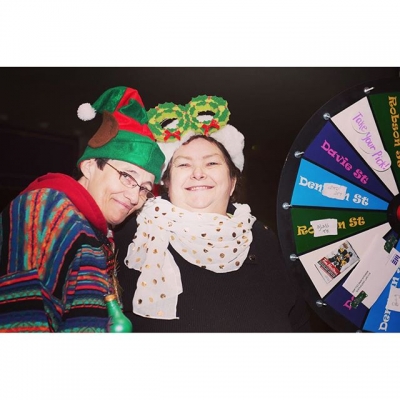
x=173, y=124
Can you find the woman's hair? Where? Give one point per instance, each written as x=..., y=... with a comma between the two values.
x=234, y=172
x=101, y=162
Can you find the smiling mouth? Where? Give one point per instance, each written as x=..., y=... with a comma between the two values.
x=195, y=188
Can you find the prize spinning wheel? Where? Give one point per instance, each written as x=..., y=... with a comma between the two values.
x=338, y=209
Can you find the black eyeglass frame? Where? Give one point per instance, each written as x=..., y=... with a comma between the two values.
x=122, y=174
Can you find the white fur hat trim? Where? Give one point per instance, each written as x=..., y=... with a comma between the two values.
x=228, y=136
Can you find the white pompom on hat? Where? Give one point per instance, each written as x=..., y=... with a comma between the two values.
x=86, y=112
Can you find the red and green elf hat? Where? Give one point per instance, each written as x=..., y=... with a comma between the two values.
x=124, y=134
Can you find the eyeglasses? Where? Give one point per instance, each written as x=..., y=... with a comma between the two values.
x=130, y=182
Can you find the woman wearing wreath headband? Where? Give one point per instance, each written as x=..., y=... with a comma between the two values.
x=198, y=261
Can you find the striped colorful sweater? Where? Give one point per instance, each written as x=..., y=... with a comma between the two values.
x=53, y=266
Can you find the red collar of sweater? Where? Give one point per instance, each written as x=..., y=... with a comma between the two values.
x=81, y=198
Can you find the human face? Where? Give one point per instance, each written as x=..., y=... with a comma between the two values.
x=115, y=200
x=199, y=178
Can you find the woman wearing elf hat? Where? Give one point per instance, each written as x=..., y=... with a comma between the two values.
x=57, y=255
x=199, y=262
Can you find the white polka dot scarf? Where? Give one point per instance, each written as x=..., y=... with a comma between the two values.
x=212, y=241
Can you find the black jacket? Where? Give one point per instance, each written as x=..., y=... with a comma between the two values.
x=259, y=297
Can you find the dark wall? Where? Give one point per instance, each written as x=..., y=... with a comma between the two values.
x=25, y=155
x=268, y=105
